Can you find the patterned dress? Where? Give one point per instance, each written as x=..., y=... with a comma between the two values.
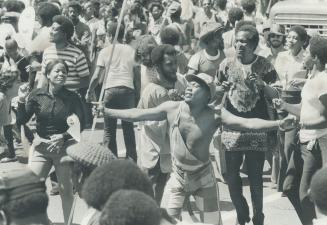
x=246, y=100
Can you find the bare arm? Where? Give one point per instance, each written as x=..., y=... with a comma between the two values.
x=321, y=121
x=95, y=78
x=134, y=115
x=294, y=109
x=244, y=124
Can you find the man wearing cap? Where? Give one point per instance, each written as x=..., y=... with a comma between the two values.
x=192, y=124
x=275, y=40
x=208, y=60
x=23, y=198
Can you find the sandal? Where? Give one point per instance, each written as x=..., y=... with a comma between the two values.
x=8, y=159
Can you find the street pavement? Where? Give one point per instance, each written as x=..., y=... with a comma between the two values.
x=277, y=209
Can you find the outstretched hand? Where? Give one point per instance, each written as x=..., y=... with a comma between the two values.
x=278, y=104
x=288, y=123
x=226, y=85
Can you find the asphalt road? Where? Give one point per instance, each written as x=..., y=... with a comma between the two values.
x=277, y=209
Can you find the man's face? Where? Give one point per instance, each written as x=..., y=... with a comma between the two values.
x=275, y=40
x=243, y=46
x=73, y=14
x=293, y=41
x=145, y=58
x=206, y=4
x=195, y=93
x=169, y=67
x=156, y=12
x=89, y=10
x=56, y=34
x=12, y=52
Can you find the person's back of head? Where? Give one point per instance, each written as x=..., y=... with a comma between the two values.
x=318, y=190
x=46, y=11
x=130, y=207
x=235, y=15
x=111, y=30
x=169, y=35
x=23, y=199
x=248, y=6
x=14, y=6
x=106, y=179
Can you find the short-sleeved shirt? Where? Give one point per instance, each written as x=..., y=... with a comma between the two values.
x=154, y=137
x=51, y=111
x=204, y=63
x=121, y=68
x=289, y=66
x=78, y=70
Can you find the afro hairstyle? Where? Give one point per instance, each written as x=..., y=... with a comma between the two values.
x=130, y=207
x=155, y=4
x=76, y=5
x=66, y=25
x=145, y=44
x=301, y=32
x=157, y=54
x=318, y=191
x=249, y=28
x=169, y=35
x=106, y=179
x=318, y=47
x=46, y=11
x=14, y=6
x=235, y=14
x=28, y=205
x=248, y=5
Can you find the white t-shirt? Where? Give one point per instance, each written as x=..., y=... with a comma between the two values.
x=311, y=92
x=120, y=71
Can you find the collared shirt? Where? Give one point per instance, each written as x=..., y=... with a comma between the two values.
x=289, y=67
x=51, y=111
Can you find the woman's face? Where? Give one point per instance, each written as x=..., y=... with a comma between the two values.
x=293, y=41
x=58, y=74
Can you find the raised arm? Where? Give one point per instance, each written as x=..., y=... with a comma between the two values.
x=134, y=115
x=245, y=124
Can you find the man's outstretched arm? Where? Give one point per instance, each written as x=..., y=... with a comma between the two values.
x=245, y=124
x=134, y=115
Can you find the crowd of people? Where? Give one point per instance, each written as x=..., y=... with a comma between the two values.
x=183, y=74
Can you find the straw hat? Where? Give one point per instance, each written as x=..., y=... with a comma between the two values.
x=90, y=154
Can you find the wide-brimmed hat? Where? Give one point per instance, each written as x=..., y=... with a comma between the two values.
x=90, y=154
x=277, y=29
x=204, y=79
x=209, y=28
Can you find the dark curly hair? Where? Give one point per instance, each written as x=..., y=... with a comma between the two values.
x=158, y=53
x=318, y=47
x=130, y=207
x=46, y=11
x=106, y=179
x=235, y=14
x=301, y=32
x=254, y=34
x=14, y=6
x=66, y=25
x=54, y=62
x=28, y=205
x=145, y=44
x=169, y=35
x=248, y=5
x=155, y=4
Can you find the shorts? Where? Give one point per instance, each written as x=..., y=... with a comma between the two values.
x=201, y=184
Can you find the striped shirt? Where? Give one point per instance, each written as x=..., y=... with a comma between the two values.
x=78, y=70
